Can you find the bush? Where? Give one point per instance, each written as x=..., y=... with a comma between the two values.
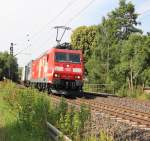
x=31, y=111
x=135, y=93
x=70, y=121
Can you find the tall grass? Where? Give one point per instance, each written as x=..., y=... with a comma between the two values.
x=136, y=93
x=69, y=120
x=27, y=110
x=102, y=137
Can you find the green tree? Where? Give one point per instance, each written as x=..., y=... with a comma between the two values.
x=117, y=27
x=134, y=65
x=8, y=67
x=83, y=38
x=124, y=20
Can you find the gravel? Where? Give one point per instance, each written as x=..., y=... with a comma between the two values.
x=126, y=102
x=119, y=131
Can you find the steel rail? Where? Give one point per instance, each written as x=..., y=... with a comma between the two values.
x=122, y=112
x=140, y=118
x=145, y=114
x=125, y=109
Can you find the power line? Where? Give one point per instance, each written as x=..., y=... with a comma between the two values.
x=71, y=2
x=75, y=16
x=59, y=14
x=80, y=12
x=142, y=14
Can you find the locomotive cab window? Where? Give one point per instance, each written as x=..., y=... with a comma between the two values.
x=67, y=57
x=75, y=58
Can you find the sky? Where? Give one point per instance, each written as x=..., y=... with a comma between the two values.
x=29, y=23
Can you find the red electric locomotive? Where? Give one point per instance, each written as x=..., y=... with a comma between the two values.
x=59, y=70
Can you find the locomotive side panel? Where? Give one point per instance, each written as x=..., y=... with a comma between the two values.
x=41, y=69
x=50, y=70
x=34, y=70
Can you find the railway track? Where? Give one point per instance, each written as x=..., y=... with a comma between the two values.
x=140, y=119
x=120, y=113
x=143, y=102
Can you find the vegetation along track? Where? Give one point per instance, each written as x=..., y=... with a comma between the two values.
x=133, y=117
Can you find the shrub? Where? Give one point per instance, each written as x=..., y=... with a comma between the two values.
x=70, y=121
x=31, y=110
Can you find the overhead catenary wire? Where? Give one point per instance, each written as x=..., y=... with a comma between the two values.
x=83, y=9
x=71, y=2
x=143, y=13
x=75, y=16
x=80, y=12
x=69, y=21
x=60, y=13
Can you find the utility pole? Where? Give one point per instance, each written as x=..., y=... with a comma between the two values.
x=11, y=54
x=10, y=71
x=11, y=48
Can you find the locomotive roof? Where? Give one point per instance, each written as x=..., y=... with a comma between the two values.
x=67, y=50
x=61, y=48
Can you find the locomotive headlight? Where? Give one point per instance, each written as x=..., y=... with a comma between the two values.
x=57, y=68
x=56, y=75
x=76, y=70
x=77, y=76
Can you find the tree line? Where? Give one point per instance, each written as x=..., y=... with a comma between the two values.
x=115, y=51
x=8, y=67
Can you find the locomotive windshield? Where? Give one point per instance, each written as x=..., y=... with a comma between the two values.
x=67, y=57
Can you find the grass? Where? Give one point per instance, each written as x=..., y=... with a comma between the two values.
x=2, y=117
x=17, y=122
x=103, y=137
x=136, y=93
x=6, y=117
x=24, y=112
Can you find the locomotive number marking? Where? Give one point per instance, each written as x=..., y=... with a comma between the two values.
x=68, y=69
